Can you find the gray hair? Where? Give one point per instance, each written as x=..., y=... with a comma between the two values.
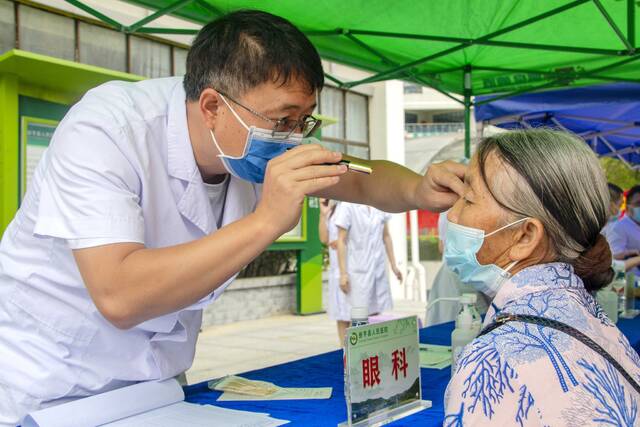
x=554, y=176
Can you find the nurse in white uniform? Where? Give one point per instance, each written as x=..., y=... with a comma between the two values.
x=364, y=244
x=150, y=199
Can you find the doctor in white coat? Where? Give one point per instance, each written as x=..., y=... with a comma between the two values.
x=151, y=198
x=364, y=244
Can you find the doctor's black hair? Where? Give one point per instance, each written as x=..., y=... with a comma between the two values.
x=243, y=49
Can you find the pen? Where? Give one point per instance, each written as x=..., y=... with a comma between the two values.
x=356, y=167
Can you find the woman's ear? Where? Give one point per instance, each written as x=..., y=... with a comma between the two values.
x=209, y=104
x=529, y=240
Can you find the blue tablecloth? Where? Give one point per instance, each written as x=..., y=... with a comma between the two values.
x=325, y=370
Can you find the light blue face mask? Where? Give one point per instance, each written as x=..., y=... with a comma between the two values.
x=261, y=146
x=461, y=247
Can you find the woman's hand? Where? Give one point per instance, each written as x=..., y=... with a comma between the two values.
x=397, y=273
x=325, y=209
x=344, y=283
x=630, y=253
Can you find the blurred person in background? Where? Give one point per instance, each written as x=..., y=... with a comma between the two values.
x=364, y=245
x=624, y=235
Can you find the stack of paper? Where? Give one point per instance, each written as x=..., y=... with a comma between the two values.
x=435, y=356
x=238, y=388
x=244, y=386
x=149, y=404
x=187, y=414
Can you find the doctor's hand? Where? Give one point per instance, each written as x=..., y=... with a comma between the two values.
x=290, y=177
x=441, y=186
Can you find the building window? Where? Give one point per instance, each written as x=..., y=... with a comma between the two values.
x=7, y=26
x=179, y=61
x=102, y=47
x=46, y=33
x=149, y=58
x=332, y=105
x=86, y=40
x=410, y=88
x=350, y=134
x=356, y=117
x=449, y=117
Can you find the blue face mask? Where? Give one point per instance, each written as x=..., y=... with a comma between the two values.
x=461, y=247
x=260, y=147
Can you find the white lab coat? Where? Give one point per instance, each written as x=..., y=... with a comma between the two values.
x=120, y=168
x=366, y=259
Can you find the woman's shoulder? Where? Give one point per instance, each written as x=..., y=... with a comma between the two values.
x=521, y=360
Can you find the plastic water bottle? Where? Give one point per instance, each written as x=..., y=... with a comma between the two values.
x=608, y=300
x=464, y=332
x=359, y=317
x=470, y=300
x=618, y=286
x=630, y=298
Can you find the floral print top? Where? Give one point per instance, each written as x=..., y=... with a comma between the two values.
x=524, y=374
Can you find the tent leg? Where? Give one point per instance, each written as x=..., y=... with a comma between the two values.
x=467, y=111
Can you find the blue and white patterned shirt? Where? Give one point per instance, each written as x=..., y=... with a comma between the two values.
x=530, y=375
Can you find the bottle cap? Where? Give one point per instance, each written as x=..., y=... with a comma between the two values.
x=468, y=298
x=360, y=313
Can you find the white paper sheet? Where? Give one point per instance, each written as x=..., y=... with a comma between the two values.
x=282, y=394
x=106, y=407
x=148, y=404
x=184, y=414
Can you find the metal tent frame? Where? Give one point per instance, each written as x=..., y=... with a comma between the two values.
x=591, y=137
x=386, y=67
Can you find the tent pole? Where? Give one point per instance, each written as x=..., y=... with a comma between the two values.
x=467, y=111
x=161, y=12
x=614, y=26
x=102, y=17
x=631, y=23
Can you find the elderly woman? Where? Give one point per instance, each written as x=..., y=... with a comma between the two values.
x=527, y=234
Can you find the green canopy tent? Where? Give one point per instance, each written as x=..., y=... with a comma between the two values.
x=465, y=47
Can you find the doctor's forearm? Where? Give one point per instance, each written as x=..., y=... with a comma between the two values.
x=391, y=187
x=148, y=283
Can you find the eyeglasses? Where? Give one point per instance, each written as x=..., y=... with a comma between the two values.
x=283, y=128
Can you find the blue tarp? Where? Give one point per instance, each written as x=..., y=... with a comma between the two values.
x=606, y=116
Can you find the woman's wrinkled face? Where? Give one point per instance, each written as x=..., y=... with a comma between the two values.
x=478, y=209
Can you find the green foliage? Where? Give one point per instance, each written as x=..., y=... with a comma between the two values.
x=428, y=248
x=271, y=263
x=618, y=173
